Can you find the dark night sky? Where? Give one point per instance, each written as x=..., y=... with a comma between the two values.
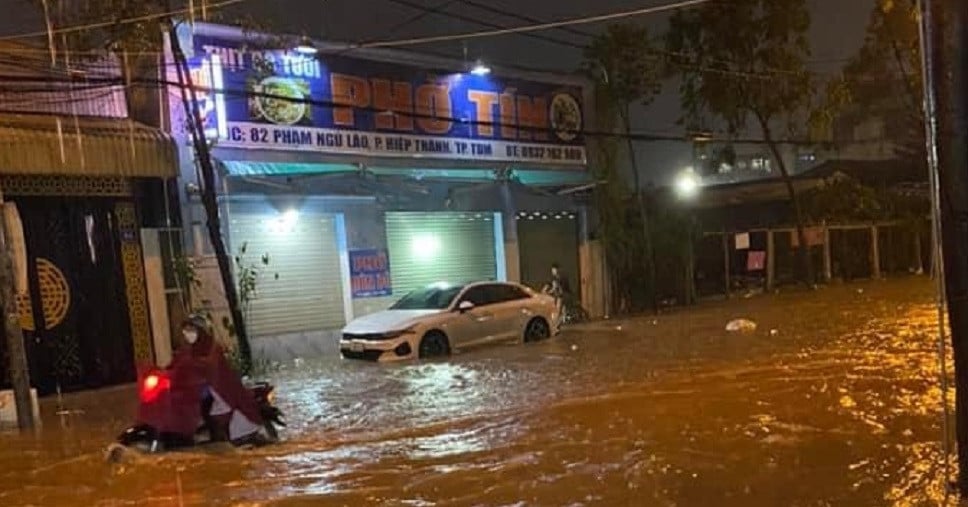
x=837, y=30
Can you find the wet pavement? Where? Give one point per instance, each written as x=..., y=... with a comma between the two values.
x=834, y=400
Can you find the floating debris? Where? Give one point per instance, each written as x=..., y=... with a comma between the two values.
x=741, y=326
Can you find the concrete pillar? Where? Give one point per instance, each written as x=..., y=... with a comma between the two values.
x=770, y=261
x=918, y=259
x=157, y=300
x=726, y=264
x=588, y=288
x=509, y=224
x=875, y=254
x=828, y=273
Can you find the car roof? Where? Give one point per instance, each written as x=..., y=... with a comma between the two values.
x=468, y=285
x=491, y=282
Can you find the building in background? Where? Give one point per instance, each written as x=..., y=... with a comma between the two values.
x=364, y=174
x=85, y=181
x=735, y=162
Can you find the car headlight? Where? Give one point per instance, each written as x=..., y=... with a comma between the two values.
x=397, y=334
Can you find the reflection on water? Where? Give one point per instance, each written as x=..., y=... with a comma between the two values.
x=834, y=401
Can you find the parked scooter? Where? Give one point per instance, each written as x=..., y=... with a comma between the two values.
x=168, y=415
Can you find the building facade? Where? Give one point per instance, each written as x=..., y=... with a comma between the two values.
x=80, y=181
x=360, y=175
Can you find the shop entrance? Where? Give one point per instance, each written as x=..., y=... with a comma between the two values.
x=430, y=247
x=300, y=289
x=75, y=312
x=546, y=238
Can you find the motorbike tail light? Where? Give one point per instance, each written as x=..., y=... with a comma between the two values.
x=152, y=386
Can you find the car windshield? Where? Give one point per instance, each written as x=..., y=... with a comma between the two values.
x=433, y=297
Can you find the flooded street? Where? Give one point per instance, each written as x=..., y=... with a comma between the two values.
x=834, y=400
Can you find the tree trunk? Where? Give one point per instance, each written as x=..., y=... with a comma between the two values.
x=643, y=210
x=690, y=272
x=803, y=253
x=945, y=40
x=16, y=351
x=209, y=199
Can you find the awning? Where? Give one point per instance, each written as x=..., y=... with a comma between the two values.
x=75, y=146
x=490, y=196
x=526, y=176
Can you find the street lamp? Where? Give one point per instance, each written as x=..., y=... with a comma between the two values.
x=687, y=184
x=306, y=47
x=480, y=69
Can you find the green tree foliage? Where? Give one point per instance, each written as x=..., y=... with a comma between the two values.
x=743, y=61
x=883, y=80
x=842, y=200
x=627, y=73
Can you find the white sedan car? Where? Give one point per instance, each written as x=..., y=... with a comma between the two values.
x=435, y=320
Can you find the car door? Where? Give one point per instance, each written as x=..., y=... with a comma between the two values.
x=475, y=326
x=509, y=311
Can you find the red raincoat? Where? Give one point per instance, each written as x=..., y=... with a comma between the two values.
x=194, y=367
x=220, y=377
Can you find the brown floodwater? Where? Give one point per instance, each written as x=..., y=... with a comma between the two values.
x=834, y=400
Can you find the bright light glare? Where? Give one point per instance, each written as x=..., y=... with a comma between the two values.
x=285, y=222
x=290, y=216
x=425, y=246
x=480, y=69
x=687, y=184
x=306, y=47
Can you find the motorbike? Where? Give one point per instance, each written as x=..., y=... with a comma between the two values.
x=159, y=396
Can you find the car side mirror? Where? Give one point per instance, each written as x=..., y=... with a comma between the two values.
x=465, y=306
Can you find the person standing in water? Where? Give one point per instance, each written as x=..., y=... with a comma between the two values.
x=558, y=287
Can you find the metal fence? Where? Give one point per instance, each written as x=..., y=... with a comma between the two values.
x=728, y=262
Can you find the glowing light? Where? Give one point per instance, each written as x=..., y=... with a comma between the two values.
x=479, y=69
x=286, y=221
x=153, y=386
x=306, y=47
x=425, y=246
x=218, y=82
x=687, y=184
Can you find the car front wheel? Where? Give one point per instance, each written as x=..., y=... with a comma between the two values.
x=536, y=330
x=434, y=344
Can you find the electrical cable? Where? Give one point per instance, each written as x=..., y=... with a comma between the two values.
x=469, y=19
x=116, y=22
x=682, y=4
x=239, y=94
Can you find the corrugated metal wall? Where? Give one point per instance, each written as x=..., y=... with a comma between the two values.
x=308, y=293
x=432, y=247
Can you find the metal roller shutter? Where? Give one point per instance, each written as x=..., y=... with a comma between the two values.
x=308, y=294
x=432, y=247
x=546, y=238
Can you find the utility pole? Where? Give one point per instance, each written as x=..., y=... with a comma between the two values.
x=945, y=70
x=16, y=352
x=203, y=156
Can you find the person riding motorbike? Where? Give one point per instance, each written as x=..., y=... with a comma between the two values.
x=206, y=388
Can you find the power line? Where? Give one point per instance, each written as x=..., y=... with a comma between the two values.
x=413, y=19
x=245, y=94
x=124, y=21
x=425, y=12
x=683, y=4
x=574, y=45
x=761, y=74
x=461, y=17
x=530, y=19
